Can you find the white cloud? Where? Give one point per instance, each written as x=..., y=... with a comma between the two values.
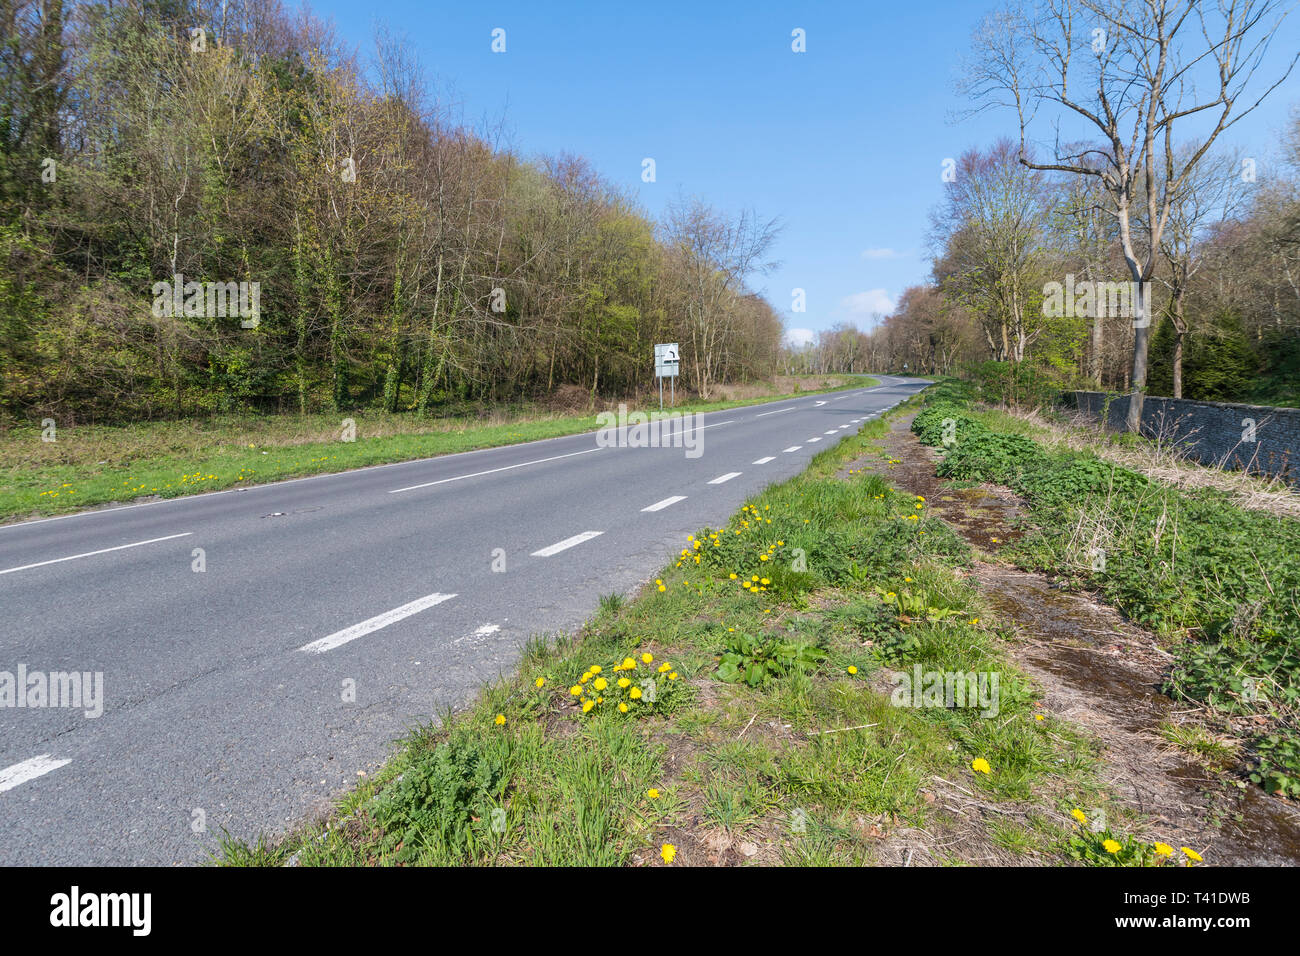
x=798, y=338
x=880, y=254
x=863, y=305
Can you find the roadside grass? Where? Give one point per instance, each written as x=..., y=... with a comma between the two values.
x=740, y=709
x=1220, y=582
x=98, y=464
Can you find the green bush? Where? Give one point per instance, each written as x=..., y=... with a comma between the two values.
x=432, y=806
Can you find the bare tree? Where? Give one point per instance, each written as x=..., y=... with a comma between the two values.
x=992, y=225
x=1127, y=72
x=1211, y=193
x=716, y=254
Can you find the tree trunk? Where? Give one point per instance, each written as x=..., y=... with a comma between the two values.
x=1141, y=345
x=1180, y=329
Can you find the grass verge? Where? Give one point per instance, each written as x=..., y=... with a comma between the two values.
x=1219, y=581
x=97, y=465
x=747, y=707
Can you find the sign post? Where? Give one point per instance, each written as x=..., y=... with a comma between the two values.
x=667, y=361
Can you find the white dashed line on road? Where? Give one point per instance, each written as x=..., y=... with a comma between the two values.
x=818, y=438
x=787, y=451
x=492, y=471
x=764, y=461
x=88, y=554
x=727, y=477
x=778, y=411
x=661, y=505
x=566, y=544
x=20, y=773
x=339, y=638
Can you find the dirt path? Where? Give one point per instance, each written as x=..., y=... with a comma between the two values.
x=1101, y=673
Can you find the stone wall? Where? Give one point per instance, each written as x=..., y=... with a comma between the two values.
x=1259, y=438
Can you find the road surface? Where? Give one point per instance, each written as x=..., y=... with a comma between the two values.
x=224, y=688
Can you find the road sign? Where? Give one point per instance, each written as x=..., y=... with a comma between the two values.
x=667, y=360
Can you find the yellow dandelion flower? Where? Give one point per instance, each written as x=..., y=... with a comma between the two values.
x=1192, y=854
x=668, y=852
x=980, y=765
x=501, y=720
x=1111, y=846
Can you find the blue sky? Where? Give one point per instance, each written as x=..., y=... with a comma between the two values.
x=844, y=143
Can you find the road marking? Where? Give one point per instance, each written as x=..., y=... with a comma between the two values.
x=539, y=461
x=764, y=461
x=486, y=630
x=567, y=543
x=831, y=432
x=815, y=404
x=340, y=638
x=818, y=438
x=88, y=554
x=727, y=477
x=791, y=448
x=788, y=408
x=661, y=505
x=492, y=471
x=20, y=773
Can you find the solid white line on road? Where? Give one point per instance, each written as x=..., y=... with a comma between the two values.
x=788, y=408
x=567, y=543
x=88, y=554
x=492, y=471
x=20, y=773
x=764, y=461
x=727, y=477
x=790, y=449
x=661, y=505
x=818, y=438
x=373, y=624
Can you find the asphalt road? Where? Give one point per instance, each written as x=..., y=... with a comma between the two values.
x=223, y=690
